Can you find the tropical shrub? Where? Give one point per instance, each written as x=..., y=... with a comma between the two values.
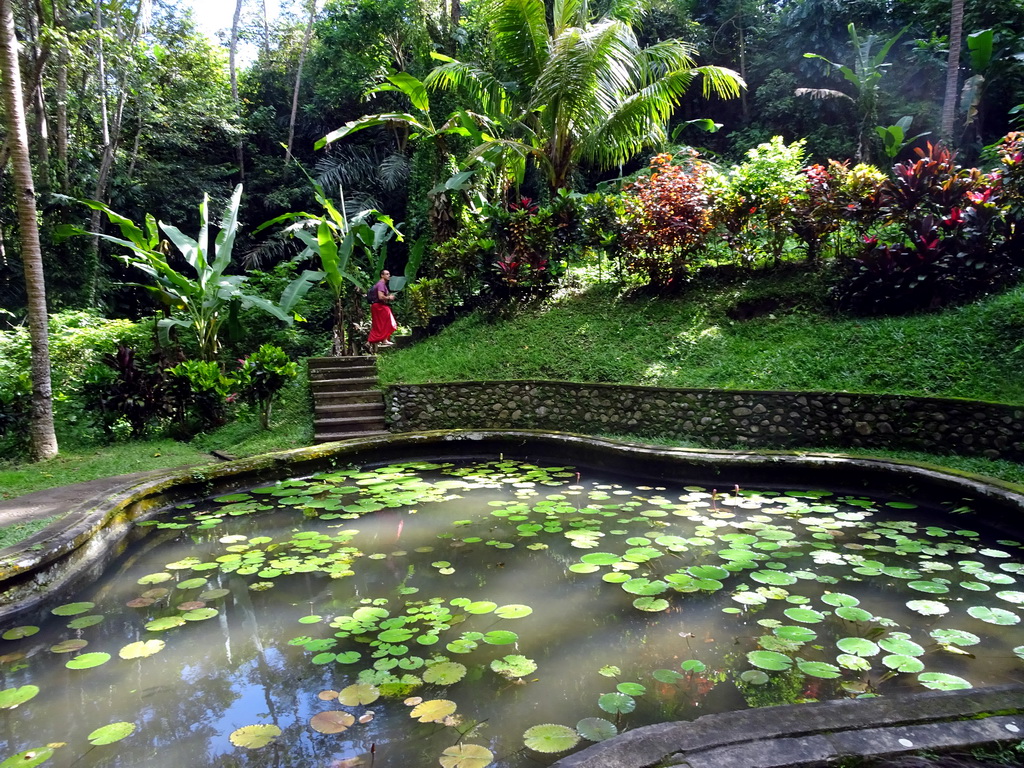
x=525, y=235
x=262, y=375
x=948, y=240
x=753, y=202
x=15, y=413
x=125, y=388
x=668, y=218
x=199, y=394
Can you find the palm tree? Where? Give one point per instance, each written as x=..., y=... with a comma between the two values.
x=956, y=31
x=577, y=90
x=43, y=441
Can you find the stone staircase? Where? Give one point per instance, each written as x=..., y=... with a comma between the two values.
x=346, y=403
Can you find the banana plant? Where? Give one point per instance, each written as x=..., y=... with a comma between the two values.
x=351, y=251
x=204, y=301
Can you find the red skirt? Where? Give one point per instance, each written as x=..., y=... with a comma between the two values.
x=383, y=323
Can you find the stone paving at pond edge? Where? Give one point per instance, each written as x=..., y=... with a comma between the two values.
x=821, y=734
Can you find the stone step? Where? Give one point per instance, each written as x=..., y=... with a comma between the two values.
x=330, y=437
x=353, y=371
x=353, y=422
x=337, y=410
x=352, y=397
x=343, y=385
x=339, y=362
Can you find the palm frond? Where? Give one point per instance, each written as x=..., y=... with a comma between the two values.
x=519, y=34
x=393, y=171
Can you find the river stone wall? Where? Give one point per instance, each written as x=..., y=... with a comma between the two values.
x=757, y=419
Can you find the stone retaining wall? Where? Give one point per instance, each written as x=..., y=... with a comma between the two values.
x=716, y=417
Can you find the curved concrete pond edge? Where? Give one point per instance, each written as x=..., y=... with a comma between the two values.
x=78, y=547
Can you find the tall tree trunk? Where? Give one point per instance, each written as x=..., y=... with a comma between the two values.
x=63, y=177
x=298, y=80
x=239, y=150
x=956, y=31
x=43, y=440
x=266, y=31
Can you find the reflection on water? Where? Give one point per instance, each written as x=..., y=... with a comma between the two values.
x=522, y=595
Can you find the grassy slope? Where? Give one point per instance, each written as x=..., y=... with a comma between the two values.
x=690, y=342
x=291, y=427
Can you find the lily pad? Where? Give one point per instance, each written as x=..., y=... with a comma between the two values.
x=17, y=633
x=770, y=660
x=14, y=697
x=550, y=738
x=940, y=681
x=433, y=711
x=994, y=615
x=928, y=607
x=332, y=721
x=358, y=694
x=72, y=609
x=141, y=649
x=513, y=611
x=804, y=615
x=466, y=756
x=858, y=646
x=109, y=734
x=616, y=703
x=445, y=673
x=255, y=736
x=819, y=669
x=514, y=666
x=29, y=758
x=596, y=729
x=88, y=661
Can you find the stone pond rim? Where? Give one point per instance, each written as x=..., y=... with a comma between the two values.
x=92, y=533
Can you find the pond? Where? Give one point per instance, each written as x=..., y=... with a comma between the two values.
x=495, y=613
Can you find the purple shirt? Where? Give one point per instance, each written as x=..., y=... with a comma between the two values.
x=378, y=289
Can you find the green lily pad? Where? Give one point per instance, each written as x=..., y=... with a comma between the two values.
x=550, y=738
x=667, y=675
x=940, y=681
x=433, y=711
x=955, y=637
x=858, y=646
x=651, y=604
x=852, y=613
x=254, y=736
x=165, y=623
x=466, y=756
x=928, y=607
x=993, y=615
x=445, y=673
x=83, y=622
x=931, y=587
x=901, y=663
x=17, y=633
x=14, y=697
x=109, y=734
x=513, y=611
x=804, y=615
x=514, y=666
x=480, y=607
x=631, y=689
x=596, y=729
x=770, y=660
x=900, y=643
x=819, y=669
x=72, y=609
x=754, y=677
x=88, y=661
x=616, y=703
x=358, y=694
x=29, y=758
x=500, y=637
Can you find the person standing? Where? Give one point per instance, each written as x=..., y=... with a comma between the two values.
x=382, y=321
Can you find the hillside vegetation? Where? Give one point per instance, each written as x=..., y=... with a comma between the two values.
x=700, y=339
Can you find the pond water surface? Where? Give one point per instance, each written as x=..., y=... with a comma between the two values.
x=499, y=613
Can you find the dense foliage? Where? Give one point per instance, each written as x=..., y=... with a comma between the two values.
x=493, y=145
